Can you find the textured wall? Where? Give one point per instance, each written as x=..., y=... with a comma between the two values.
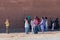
x=16, y=10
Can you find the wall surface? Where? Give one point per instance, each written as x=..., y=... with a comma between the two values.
x=17, y=10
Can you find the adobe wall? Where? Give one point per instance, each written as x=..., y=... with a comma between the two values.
x=17, y=10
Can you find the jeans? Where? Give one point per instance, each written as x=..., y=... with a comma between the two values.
x=42, y=28
x=26, y=30
x=39, y=28
x=35, y=30
x=46, y=28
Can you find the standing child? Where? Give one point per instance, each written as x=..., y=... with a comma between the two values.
x=38, y=20
x=7, y=24
x=42, y=24
x=29, y=20
x=36, y=25
x=32, y=25
x=53, y=26
x=26, y=26
x=46, y=23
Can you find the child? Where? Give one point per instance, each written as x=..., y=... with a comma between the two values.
x=26, y=26
x=7, y=24
x=32, y=25
x=46, y=23
x=42, y=24
x=53, y=26
x=36, y=26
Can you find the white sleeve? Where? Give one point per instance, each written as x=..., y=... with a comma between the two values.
x=41, y=22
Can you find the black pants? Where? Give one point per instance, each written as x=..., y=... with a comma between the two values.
x=36, y=30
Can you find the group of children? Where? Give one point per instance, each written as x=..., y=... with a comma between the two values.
x=37, y=25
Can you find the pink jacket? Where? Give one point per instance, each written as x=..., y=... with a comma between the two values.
x=36, y=22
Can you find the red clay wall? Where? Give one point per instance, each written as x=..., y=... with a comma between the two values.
x=17, y=10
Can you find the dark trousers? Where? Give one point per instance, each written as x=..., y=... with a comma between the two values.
x=7, y=29
x=35, y=30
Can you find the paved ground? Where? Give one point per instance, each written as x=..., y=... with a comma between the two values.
x=22, y=36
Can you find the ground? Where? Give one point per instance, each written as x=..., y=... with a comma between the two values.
x=22, y=36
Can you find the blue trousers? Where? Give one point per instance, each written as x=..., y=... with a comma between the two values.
x=26, y=30
x=35, y=30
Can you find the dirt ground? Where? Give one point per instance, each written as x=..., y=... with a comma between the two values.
x=22, y=36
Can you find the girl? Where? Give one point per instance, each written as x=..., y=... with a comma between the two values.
x=26, y=26
x=7, y=24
